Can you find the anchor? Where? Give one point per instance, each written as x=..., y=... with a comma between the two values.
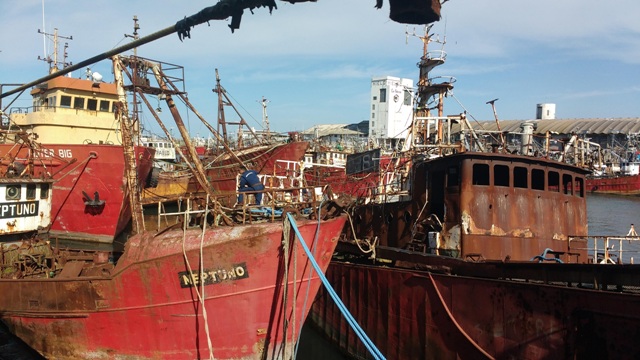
x=95, y=202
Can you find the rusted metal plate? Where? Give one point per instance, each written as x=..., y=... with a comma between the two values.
x=415, y=315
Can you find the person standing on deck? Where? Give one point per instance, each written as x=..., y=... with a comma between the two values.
x=249, y=181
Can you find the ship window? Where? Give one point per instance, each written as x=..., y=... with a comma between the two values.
x=554, y=181
x=501, y=175
x=480, y=174
x=375, y=98
x=453, y=176
x=566, y=184
x=537, y=179
x=104, y=105
x=520, y=175
x=44, y=191
x=65, y=101
x=373, y=106
x=31, y=191
x=78, y=103
x=92, y=104
x=383, y=95
x=407, y=97
x=579, y=187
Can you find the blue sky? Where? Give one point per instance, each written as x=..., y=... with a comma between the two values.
x=314, y=61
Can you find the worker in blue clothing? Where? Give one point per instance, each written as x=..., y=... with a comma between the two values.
x=249, y=181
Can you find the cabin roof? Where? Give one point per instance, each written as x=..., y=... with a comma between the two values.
x=64, y=82
x=525, y=160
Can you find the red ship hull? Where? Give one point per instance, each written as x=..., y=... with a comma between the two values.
x=255, y=295
x=623, y=185
x=222, y=171
x=359, y=185
x=97, y=169
x=416, y=315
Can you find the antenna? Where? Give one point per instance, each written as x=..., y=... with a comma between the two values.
x=53, y=63
x=135, y=36
x=265, y=117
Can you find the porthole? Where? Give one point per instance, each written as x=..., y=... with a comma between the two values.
x=13, y=192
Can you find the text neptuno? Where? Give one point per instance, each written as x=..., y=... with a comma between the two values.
x=213, y=276
x=18, y=209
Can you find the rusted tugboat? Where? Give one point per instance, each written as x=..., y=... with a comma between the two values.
x=488, y=256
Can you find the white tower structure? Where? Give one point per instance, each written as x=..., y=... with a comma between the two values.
x=546, y=111
x=391, y=109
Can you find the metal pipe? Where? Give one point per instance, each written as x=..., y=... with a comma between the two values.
x=220, y=11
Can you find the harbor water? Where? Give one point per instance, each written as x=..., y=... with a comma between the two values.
x=607, y=215
x=611, y=215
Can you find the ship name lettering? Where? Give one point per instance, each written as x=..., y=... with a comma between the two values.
x=213, y=276
x=44, y=153
x=65, y=153
x=18, y=209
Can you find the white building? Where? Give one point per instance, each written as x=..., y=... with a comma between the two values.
x=391, y=109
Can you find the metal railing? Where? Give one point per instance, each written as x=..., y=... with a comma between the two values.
x=610, y=249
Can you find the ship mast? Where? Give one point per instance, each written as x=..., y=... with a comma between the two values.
x=53, y=62
x=131, y=174
x=134, y=96
x=265, y=118
x=223, y=100
x=429, y=88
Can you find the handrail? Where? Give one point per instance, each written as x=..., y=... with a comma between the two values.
x=603, y=251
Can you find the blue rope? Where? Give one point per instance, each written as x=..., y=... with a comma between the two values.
x=306, y=296
x=354, y=325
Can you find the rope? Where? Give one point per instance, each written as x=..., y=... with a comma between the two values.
x=295, y=300
x=372, y=245
x=486, y=354
x=185, y=222
x=204, y=309
x=285, y=283
x=354, y=325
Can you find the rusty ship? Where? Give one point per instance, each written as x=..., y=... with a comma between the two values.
x=241, y=288
x=485, y=253
x=76, y=121
x=623, y=179
x=223, y=160
x=242, y=280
